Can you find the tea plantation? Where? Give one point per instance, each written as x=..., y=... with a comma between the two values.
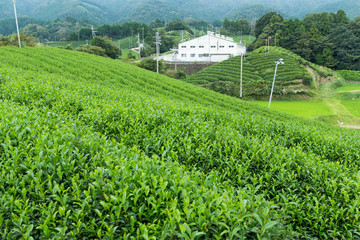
x=92, y=148
x=350, y=75
x=293, y=78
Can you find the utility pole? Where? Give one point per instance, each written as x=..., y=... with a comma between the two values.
x=143, y=36
x=194, y=32
x=158, y=43
x=120, y=44
x=139, y=44
x=265, y=46
x=273, y=84
x=93, y=32
x=78, y=27
x=17, y=24
x=269, y=44
x=275, y=39
x=175, y=56
x=241, y=76
x=182, y=36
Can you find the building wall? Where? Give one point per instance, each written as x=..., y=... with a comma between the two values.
x=209, y=48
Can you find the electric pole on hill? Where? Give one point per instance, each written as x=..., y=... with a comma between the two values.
x=143, y=36
x=241, y=76
x=139, y=45
x=273, y=84
x=158, y=43
x=93, y=32
x=17, y=24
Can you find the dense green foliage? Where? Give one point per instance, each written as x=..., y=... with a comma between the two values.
x=327, y=39
x=237, y=27
x=249, y=12
x=8, y=26
x=350, y=75
x=109, y=11
x=97, y=148
x=92, y=50
x=13, y=40
x=258, y=71
x=111, y=50
x=177, y=25
x=351, y=7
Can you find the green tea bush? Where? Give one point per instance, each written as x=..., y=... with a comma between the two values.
x=257, y=68
x=101, y=149
x=350, y=75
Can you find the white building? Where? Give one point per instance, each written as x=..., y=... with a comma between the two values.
x=209, y=48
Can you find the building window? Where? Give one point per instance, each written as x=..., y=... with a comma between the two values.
x=192, y=46
x=213, y=46
x=231, y=46
x=183, y=55
x=205, y=55
x=192, y=55
x=183, y=46
x=221, y=46
x=201, y=46
x=201, y=55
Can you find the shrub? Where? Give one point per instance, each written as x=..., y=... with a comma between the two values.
x=12, y=40
x=105, y=43
x=92, y=50
x=150, y=64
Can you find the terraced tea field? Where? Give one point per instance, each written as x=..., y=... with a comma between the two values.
x=92, y=148
x=293, y=78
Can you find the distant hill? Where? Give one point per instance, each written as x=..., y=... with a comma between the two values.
x=249, y=12
x=52, y=9
x=99, y=11
x=351, y=7
x=148, y=11
x=74, y=8
x=293, y=80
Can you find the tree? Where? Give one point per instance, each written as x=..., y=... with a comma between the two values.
x=157, y=24
x=328, y=59
x=92, y=50
x=105, y=43
x=12, y=40
x=341, y=18
x=177, y=25
x=150, y=64
x=265, y=20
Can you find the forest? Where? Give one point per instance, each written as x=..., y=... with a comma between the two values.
x=328, y=39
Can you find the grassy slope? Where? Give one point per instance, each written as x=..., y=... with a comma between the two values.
x=293, y=79
x=139, y=153
x=349, y=87
x=307, y=109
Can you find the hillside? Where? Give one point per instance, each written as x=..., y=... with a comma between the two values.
x=109, y=11
x=351, y=7
x=295, y=79
x=249, y=12
x=94, y=147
